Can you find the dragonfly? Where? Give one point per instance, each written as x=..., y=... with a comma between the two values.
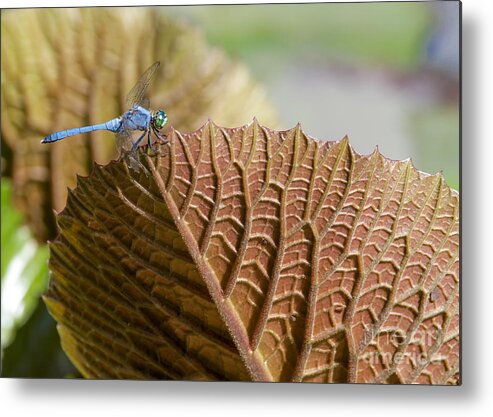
x=138, y=118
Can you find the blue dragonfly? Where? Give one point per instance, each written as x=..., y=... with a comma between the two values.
x=138, y=117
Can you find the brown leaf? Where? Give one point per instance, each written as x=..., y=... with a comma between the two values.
x=253, y=253
x=64, y=68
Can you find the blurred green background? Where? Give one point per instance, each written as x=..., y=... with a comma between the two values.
x=385, y=74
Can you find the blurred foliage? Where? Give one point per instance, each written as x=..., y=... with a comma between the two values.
x=30, y=343
x=36, y=351
x=436, y=134
x=24, y=269
x=376, y=33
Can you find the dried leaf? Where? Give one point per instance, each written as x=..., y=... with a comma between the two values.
x=261, y=254
x=64, y=68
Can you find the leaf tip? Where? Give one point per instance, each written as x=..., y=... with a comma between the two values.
x=344, y=142
x=375, y=153
x=78, y=179
x=441, y=177
x=255, y=123
x=298, y=130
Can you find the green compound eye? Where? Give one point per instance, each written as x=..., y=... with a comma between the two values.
x=160, y=119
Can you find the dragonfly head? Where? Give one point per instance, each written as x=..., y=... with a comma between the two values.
x=159, y=119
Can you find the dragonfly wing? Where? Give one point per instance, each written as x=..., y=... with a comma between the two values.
x=124, y=140
x=144, y=102
x=136, y=96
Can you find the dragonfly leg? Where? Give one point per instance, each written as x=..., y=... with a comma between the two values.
x=149, y=138
x=136, y=144
x=161, y=138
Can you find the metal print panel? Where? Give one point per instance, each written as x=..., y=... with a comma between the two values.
x=289, y=214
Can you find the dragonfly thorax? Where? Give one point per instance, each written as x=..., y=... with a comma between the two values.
x=159, y=119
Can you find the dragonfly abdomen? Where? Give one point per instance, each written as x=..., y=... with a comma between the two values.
x=112, y=125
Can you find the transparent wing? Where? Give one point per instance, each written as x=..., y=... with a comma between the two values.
x=124, y=142
x=136, y=96
x=145, y=103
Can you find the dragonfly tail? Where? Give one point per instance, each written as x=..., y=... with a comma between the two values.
x=112, y=125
